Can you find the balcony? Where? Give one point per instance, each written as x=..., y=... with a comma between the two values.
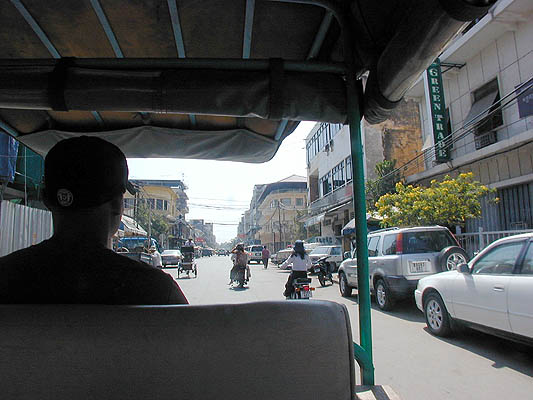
x=338, y=196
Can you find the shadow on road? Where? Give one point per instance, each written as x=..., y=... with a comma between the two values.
x=404, y=309
x=238, y=289
x=503, y=353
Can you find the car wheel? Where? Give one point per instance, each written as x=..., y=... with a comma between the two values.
x=437, y=318
x=346, y=290
x=451, y=257
x=384, y=298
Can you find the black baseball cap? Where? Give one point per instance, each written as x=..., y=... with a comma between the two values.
x=84, y=172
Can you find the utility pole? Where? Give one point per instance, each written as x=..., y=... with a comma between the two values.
x=279, y=224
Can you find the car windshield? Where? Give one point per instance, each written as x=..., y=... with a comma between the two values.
x=426, y=241
x=321, y=250
x=176, y=253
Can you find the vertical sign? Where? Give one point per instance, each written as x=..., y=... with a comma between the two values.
x=438, y=111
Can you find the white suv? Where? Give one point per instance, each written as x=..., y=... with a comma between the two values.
x=255, y=253
x=399, y=257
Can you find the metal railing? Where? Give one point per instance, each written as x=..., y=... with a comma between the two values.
x=477, y=241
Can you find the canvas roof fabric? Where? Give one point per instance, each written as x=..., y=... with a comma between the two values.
x=212, y=80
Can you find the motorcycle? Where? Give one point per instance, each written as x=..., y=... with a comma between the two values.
x=301, y=289
x=323, y=271
x=239, y=277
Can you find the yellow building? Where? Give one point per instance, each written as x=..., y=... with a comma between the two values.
x=279, y=207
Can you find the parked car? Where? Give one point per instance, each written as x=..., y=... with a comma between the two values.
x=398, y=258
x=492, y=293
x=171, y=257
x=334, y=254
x=255, y=253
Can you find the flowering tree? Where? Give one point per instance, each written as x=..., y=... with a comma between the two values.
x=449, y=202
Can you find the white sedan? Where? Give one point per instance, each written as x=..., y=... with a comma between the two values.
x=492, y=293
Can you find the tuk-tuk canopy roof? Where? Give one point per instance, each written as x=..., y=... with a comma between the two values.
x=226, y=80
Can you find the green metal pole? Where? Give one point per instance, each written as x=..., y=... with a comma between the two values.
x=354, y=96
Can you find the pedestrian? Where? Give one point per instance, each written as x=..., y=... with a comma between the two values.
x=265, y=255
x=85, y=179
x=156, y=257
x=300, y=264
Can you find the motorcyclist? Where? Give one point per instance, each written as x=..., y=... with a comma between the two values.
x=300, y=264
x=240, y=260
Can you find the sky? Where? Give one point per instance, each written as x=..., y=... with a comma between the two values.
x=220, y=191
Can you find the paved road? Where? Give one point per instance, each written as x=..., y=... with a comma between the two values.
x=416, y=364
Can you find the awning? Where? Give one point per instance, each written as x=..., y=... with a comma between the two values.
x=349, y=228
x=339, y=207
x=481, y=108
x=129, y=225
x=316, y=219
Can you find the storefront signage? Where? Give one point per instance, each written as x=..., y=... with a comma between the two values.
x=438, y=111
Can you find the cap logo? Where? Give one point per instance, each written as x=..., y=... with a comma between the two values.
x=65, y=197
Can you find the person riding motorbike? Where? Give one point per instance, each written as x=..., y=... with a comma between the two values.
x=300, y=264
x=240, y=260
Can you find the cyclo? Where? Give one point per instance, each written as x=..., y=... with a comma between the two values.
x=188, y=264
x=260, y=68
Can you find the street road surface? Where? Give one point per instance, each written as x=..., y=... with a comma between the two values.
x=414, y=363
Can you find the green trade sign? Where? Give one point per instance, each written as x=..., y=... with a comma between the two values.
x=438, y=112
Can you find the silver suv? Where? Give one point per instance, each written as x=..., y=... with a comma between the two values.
x=398, y=258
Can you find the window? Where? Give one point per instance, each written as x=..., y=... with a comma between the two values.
x=499, y=260
x=527, y=266
x=286, y=202
x=129, y=203
x=151, y=203
x=427, y=242
x=299, y=202
x=348, y=169
x=373, y=246
x=338, y=175
x=274, y=203
x=486, y=114
x=165, y=205
x=335, y=251
x=325, y=184
x=389, y=245
x=159, y=204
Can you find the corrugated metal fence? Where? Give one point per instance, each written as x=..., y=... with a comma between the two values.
x=475, y=242
x=22, y=226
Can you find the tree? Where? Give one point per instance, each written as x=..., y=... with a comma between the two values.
x=159, y=223
x=449, y=202
x=386, y=182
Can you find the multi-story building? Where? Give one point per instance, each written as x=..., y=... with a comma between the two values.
x=274, y=214
x=487, y=78
x=329, y=168
x=202, y=233
x=163, y=197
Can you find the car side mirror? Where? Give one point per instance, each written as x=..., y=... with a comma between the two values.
x=463, y=268
x=346, y=255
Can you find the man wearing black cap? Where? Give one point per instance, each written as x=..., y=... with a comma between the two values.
x=85, y=180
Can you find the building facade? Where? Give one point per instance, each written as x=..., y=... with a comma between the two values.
x=487, y=75
x=273, y=218
x=329, y=164
x=166, y=198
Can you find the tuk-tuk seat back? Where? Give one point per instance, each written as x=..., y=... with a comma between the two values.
x=264, y=350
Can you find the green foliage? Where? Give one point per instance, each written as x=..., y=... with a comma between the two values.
x=375, y=188
x=449, y=202
x=160, y=224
